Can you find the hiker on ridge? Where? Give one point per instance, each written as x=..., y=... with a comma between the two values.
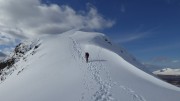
x=87, y=56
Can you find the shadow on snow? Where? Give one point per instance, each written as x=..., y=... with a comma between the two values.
x=97, y=60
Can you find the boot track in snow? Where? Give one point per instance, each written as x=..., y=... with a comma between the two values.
x=103, y=92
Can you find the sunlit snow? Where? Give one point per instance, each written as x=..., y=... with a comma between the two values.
x=57, y=71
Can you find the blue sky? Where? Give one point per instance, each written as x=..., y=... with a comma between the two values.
x=148, y=29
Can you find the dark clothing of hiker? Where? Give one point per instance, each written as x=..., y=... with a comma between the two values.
x=86, y=56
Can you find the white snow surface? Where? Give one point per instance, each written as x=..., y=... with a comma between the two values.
x=167, y=71
x=57, y=71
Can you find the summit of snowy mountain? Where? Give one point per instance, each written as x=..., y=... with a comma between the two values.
x=54, y=68
x=167, y=71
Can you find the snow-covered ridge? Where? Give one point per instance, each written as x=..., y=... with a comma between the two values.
x=105, y=43
x=21, y=52
x=57, y=71
x=22, y=48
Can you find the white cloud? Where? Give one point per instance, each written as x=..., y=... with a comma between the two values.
x=135, y=35
x=27, y=18
x=164, y=47
x=32, y=17
x=21, y=19
x=8, y=36
x=130, y=38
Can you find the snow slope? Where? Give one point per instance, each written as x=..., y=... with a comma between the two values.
x=57, y=71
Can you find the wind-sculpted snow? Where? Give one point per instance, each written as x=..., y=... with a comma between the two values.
x=54, y=69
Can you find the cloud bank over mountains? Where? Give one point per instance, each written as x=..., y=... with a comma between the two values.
x=28, y=18
x=22, y=19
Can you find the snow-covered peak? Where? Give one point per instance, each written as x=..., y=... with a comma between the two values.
x=167, y=71
x=56, y=70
